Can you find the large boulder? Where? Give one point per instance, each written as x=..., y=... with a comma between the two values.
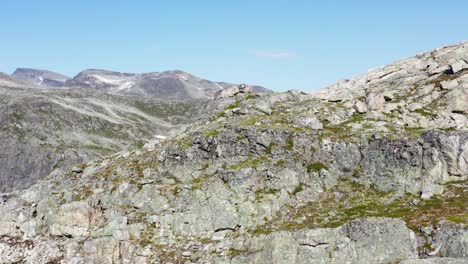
x=448, y=85
x=457, y=100
x=73, y=219
x=375, y=100
x=232, y=91
x=459, y=66
x=360, y=107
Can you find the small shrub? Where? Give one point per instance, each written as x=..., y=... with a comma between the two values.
x=270, y=147
x=280, y=163
x=249, y=97
x=240, y=137
x=289, y=143
x=232, y=106
x=313, y=149
x=317, y=166
x=299, y=188
x=253, y=163
x=413, y=131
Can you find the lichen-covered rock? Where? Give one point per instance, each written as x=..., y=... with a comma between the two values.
x=456, y=100
x=368, y=240
x=395, y=240
x=452, y=242
x=454, y=148
x=73, y=219
x=435, y=261
x=232, y=91
x=310, y=122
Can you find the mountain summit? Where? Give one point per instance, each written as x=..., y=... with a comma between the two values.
x=167, y=85
x=41, y=77
x=175, y=85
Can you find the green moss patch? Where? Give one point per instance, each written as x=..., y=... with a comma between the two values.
x=317, y=166
x=250, y=162
x=211, y=133
x=425, y=113
x=414, y=131
x=232, y=106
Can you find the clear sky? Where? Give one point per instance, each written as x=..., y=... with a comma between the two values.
x=279, y=44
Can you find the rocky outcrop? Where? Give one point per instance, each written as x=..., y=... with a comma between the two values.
x=232, y=91
x=412, y=166
x=457, y=98
x=354, y=242
x=451, y=242
x=434, y=83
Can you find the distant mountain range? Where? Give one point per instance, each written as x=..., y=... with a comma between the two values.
x=172, y=85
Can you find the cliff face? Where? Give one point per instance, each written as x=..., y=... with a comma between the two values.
x=370, y=170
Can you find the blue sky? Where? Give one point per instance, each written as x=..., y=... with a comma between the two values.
x=278, y=44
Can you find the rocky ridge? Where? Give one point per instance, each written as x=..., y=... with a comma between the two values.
x=371, y=170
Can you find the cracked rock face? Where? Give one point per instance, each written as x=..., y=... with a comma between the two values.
x=315, y=179
x=354, y=242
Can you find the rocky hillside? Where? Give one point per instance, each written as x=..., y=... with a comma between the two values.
x=370, y=170
x=46, y=129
